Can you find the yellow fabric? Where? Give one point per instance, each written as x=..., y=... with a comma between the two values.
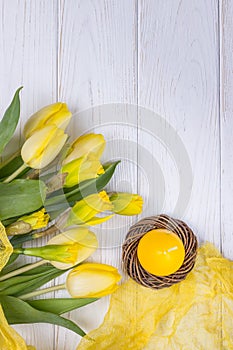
x=6, y=248
x=196, y=314
x=9, y=338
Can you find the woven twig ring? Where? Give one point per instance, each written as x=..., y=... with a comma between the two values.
x=132, y=265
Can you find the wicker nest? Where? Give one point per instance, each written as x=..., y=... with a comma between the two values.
x=130, y=260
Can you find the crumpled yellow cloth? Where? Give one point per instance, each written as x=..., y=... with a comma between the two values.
x=9, y=338
x=6, y=248
x=196, y=314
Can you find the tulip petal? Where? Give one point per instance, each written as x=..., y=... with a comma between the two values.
x=43, y=146
x=92, y=280
x=81, y=169
x=55, y=114
x=126, y=203
x=98, y=220
x=86, y=242
x=86, y=144
x=87, y=208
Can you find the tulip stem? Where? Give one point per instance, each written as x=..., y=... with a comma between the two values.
x=16, y=173
x=42, y=291
x=22, y=270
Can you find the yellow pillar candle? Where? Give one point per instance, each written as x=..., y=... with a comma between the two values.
x=161, y=252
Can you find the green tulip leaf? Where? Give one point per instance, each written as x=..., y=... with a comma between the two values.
x=9, y=266
x=9, y=121
x=60, y=305
x=96, y=185
x=17, y=240
x=18, y=311
x=59, y=203
x=20, y=197
x=29, y=281
x=11, y=166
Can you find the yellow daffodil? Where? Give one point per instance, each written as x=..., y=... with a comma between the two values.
x=56, y=114
x=92, y=280
x=80, y=169
x=37, y=219
x=43, y=146
x=66, y=253
x=27, y=223
x=85, y=242
x=9, y=338
x=85, y=210
x=84, y=145
x=6, y=248
x=66, y=249
x=126, y=203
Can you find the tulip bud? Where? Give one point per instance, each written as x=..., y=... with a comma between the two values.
x=84, y=145
x=126, y=203
x=81, y=169
x=92, y=280
x=56, y=114
x=43, y=146
x=6, y=248
x=86, y=244
x=85, y=210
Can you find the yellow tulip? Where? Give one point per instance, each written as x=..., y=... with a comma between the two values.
x=98, y=220
x=85, y=241
x=126, y=203
x=43, y=146
x=84, y=145
x=9, y=338
x=85, y=210
x=92, y=280
x=27, y=223
x=80, y=169
x=56, y=114
x=6, y=248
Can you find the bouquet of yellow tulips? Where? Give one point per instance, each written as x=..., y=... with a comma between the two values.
x=51, y=187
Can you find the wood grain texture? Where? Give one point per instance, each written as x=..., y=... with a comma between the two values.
x=97, y=77
x=178, y=78
x=155, y=77
x=226, y=112
x=28, y=58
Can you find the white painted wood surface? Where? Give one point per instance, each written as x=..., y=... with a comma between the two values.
x=169, y=57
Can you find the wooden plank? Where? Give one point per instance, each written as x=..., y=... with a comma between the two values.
x=97, y=77
x=28, y=47
x=226, y=110
x=178, y=79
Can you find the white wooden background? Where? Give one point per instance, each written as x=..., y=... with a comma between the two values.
x=173, y=57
